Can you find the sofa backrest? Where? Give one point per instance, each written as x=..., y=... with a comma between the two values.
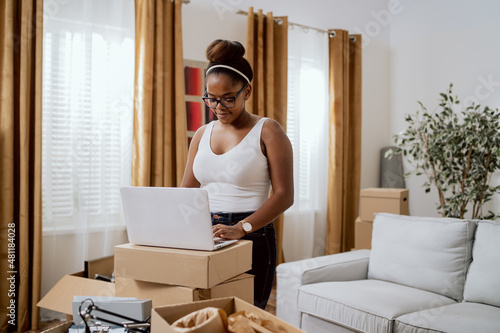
x=432, y=254
x=483, y=279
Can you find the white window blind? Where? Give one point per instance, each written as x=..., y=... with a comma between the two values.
x=88, y=80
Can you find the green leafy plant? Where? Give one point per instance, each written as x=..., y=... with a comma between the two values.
x=458, y=150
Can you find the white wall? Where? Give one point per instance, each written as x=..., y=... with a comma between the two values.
x=433, y=44
x=204, y=21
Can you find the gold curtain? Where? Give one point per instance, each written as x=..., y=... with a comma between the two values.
x=20, y=167
x=267, y=53
x=160, y=126
x=344, y=166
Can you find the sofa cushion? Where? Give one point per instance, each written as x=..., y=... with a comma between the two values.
x=365, y=305
x=432, y=254
x=315, y=324
x=458, y=318
x=483, y=279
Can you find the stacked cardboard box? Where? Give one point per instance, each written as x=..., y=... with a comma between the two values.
x=166, y=276
x=169, y=276
x=377, y=200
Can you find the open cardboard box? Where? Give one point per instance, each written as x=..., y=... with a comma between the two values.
x=162, y=294
x=60, y=297
x=102, y=266
x=188, y=268
x=163, y=316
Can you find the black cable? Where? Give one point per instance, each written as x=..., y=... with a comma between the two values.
x=86, y=315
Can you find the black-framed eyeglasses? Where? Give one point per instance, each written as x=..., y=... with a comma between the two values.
x=227, y=102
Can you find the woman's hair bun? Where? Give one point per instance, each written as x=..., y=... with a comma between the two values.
x=225, y=52
x=229, y=53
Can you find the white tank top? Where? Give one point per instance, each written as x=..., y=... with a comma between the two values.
x=238, y=180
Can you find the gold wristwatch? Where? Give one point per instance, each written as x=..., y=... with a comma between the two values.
x=247, y=226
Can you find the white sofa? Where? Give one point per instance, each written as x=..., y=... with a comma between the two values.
x=421, y=275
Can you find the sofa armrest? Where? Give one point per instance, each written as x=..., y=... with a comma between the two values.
x=291, y=276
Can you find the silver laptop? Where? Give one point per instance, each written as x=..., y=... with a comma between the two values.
x=169, y=217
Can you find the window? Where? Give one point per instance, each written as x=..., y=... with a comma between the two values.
x=307, y=109
x=307, y=114
x=87, y=117
x=307, y=128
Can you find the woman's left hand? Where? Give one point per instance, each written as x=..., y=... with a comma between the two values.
x=228, y=231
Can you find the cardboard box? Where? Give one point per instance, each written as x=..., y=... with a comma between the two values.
x=60, y=297
x=383, y=200
x=164, y=316
x=101, y=266
x=162, y=294
x=363, y=234
x=188, y=268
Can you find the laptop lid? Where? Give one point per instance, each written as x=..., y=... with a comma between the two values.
x=168, y=217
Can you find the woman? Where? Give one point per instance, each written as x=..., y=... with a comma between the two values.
x=237, y=159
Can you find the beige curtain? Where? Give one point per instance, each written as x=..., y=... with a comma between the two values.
x=20, y=167
x=160, y=129
x=345, y=140
x=267, y=53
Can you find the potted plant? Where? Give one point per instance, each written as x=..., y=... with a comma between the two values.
x=458, y=150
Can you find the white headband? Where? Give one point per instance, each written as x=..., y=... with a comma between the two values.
x=231, y=68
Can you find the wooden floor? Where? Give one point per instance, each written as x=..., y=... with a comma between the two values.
x=271, y=308
x=45, y=325
x=271, y=304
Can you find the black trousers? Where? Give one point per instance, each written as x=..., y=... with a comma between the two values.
x=263, y=255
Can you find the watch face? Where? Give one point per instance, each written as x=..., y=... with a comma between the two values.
x=247, y=226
